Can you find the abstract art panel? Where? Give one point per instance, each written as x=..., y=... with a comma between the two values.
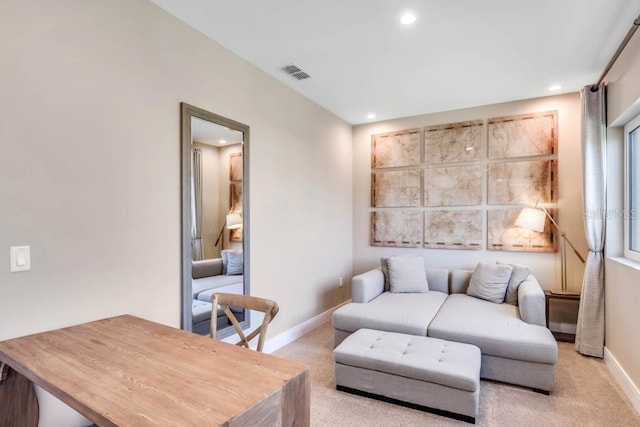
x=514, y=183
x=395, y=149
x=455, y=142
x=523, y=135
x=235, y=167
x=395, y=189
x=503, y=235
x=449, y=229
x=235, y=205
x=453, y=186
x=396, y=228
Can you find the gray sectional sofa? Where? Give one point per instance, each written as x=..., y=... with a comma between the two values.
x=516, y=346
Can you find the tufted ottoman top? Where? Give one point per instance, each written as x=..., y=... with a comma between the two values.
x=427, y=359
x=200, y=311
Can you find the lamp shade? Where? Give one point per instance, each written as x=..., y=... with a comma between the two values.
x=234, y=220
x=531, y=219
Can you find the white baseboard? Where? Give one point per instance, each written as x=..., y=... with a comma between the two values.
x=565, y=328
x=290, y=335
x=629, y=388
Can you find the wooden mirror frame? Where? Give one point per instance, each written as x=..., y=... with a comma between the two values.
x=188, y=111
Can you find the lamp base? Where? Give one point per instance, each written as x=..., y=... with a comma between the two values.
x=568, y=293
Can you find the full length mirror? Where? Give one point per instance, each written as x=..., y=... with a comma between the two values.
x=214, y=217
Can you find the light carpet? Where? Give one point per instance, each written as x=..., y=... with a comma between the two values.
x=585, y=395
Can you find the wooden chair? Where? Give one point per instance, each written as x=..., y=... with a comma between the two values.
x=268, y=307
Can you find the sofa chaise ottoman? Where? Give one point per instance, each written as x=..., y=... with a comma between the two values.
x=516, y=346
x=421, y=372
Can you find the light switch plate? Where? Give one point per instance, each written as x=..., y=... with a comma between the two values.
x=20, y=257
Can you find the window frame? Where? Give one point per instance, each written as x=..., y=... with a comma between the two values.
x=629, y=213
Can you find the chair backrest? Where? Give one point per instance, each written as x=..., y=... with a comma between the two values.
x=268, y=307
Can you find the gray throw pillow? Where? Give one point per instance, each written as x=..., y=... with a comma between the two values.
x=407, y=274
x=234, y=263
x=384, y=266
x=518, y=275
x=489, y=282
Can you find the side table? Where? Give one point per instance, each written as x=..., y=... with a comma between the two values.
x=548, y=295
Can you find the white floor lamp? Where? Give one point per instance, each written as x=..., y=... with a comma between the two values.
x=534, y=219
x=233, y=221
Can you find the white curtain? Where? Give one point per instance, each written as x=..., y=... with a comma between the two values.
x=196, y=206
x=590, y=328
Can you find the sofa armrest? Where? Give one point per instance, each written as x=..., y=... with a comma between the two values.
x=531, y=302
x=367, y=286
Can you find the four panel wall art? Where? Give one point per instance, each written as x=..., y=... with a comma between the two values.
x=462, y=185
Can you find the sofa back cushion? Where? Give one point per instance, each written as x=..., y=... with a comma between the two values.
x=460, y=281
x=438, y=279
x=206, y=268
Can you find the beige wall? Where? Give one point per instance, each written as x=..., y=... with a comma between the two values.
x=546, y=267
x=90, y=167
x=622, y=291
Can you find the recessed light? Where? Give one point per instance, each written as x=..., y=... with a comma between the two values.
x=222, y=141
x=407, y=18
x=554, y=88
x=371, y=116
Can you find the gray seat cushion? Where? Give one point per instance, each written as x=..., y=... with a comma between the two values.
x=236, y=288
x=496, y=328
x=212, y=282
x=397, y=312
x=427, y=359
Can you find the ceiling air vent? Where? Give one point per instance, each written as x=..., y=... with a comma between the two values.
x=295, y=72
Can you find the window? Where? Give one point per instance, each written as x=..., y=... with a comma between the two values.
x=632, y=190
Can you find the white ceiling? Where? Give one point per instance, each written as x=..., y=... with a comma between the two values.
x=459, y=53
x=210, y=133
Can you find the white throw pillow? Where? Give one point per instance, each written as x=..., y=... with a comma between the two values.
x=518, y=275
x=235, y=263
x=489, y=281
x=407, y=274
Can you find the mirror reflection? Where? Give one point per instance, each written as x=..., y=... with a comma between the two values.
x=213, y=217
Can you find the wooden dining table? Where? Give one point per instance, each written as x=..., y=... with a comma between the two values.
x=127, y=371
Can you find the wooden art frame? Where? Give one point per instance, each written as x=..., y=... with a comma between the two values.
x=235, y=167
x=395, y=149
x=511, y=183
x=396, y=189
x=235, y=205
x=397, y=228
x=503, y=235
x=454, y=142
x=457, y=192
x=453, y=186
x=453, y=229
x=524, y=135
